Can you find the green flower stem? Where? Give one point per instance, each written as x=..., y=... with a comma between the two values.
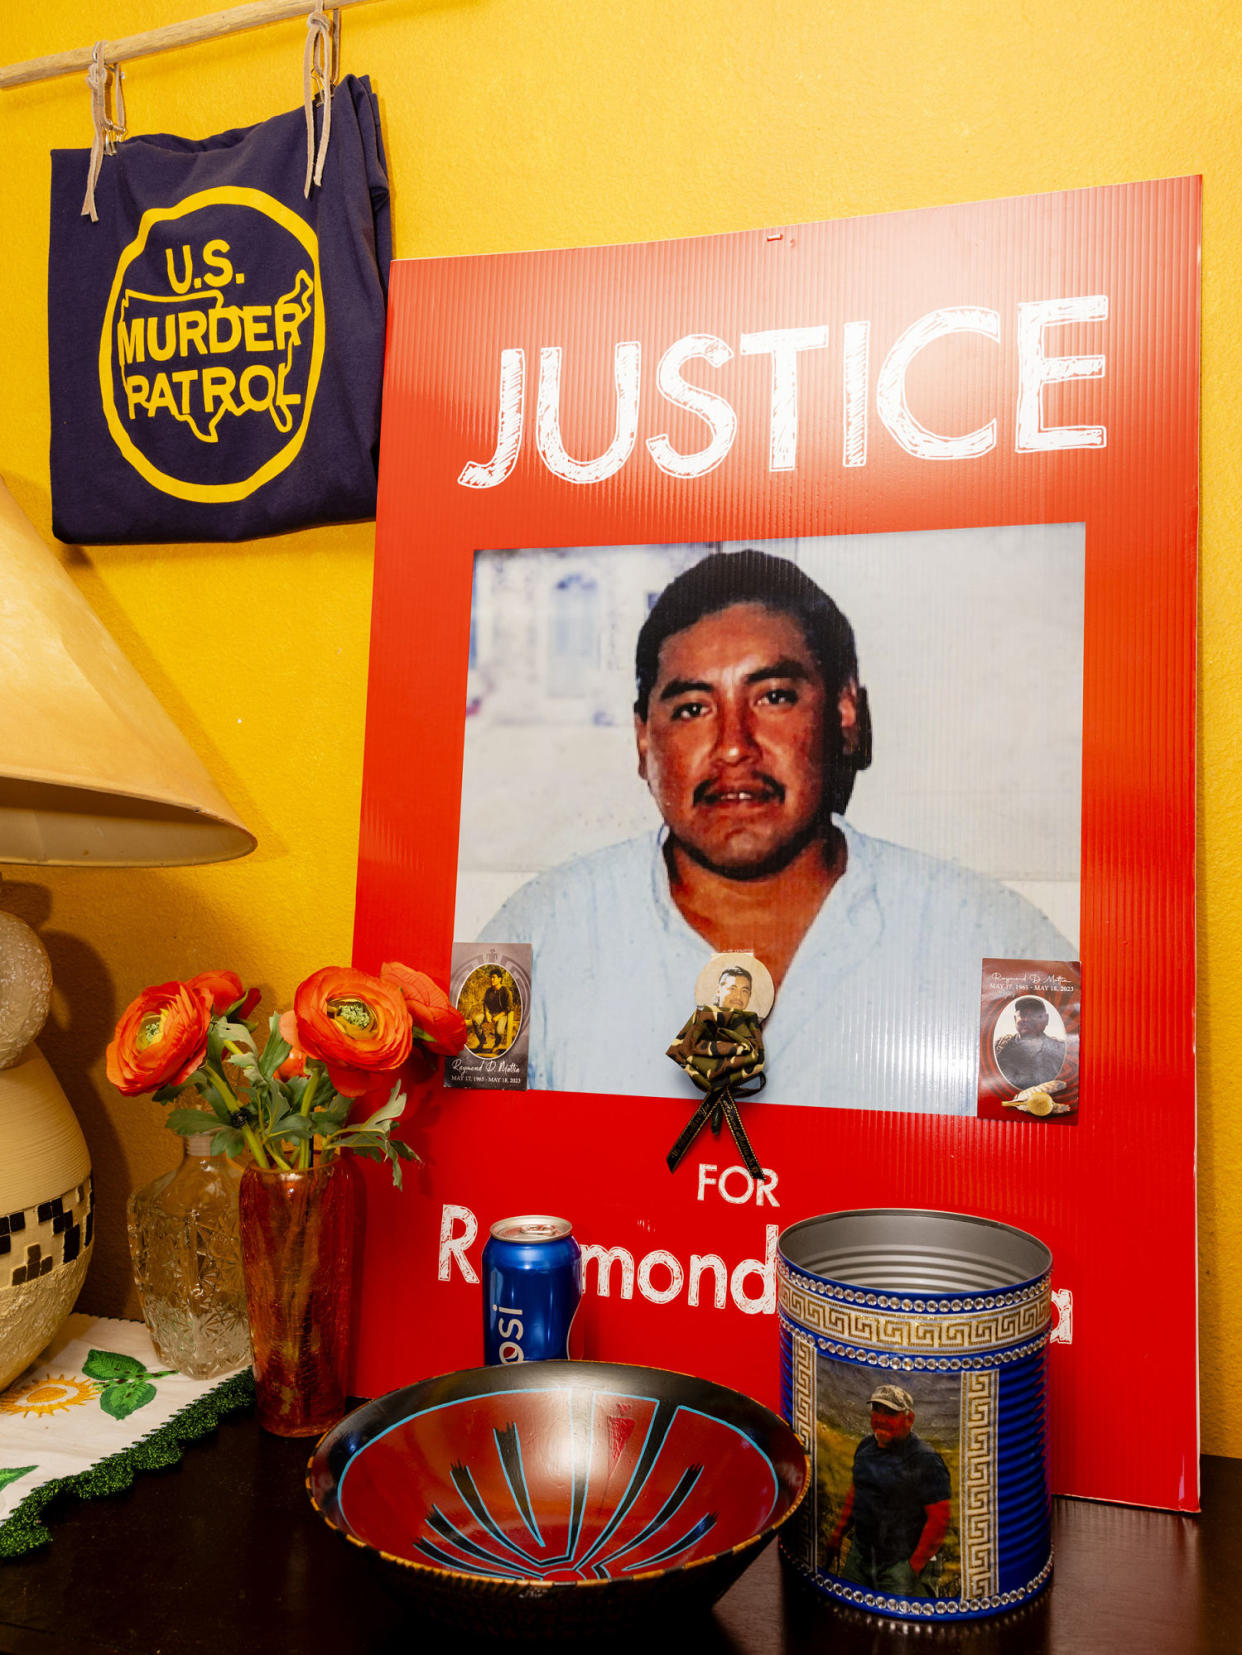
x=304, y=1148
x=255, y=1147
x=229, y=1098
x=224, y=1091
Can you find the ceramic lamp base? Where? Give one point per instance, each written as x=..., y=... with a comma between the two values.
x=46, y=1211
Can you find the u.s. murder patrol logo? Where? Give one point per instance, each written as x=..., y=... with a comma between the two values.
x=212, y=344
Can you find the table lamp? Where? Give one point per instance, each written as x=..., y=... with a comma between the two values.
x=93, y=772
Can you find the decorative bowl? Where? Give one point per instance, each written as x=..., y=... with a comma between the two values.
x=557, y=1498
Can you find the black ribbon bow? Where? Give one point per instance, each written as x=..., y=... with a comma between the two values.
x=722, y=1052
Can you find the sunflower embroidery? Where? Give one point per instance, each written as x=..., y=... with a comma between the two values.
x=51, y=1394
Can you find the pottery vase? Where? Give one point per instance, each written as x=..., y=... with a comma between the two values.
x=46, y=1211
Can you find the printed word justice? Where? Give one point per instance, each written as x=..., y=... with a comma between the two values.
x=1036, y=369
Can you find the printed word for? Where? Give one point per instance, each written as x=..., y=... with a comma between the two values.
x=736, y=1186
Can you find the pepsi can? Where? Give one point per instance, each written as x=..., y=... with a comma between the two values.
x=532, y=1282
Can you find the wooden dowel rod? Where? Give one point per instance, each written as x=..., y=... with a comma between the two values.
x=194, y=29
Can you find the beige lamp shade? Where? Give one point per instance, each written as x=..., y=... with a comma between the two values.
x=92, y=769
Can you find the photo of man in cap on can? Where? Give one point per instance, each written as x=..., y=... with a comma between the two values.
x=897, y=1507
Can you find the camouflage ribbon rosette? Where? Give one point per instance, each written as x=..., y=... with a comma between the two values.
x=721, y=1049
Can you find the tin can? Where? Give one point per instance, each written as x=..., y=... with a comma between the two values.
x=913, y=1365
x=532, y=1284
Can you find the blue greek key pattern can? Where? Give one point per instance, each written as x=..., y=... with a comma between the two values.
x=532, y=1286
x=913, y=1357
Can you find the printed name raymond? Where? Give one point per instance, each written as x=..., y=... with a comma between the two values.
x=659, y=1275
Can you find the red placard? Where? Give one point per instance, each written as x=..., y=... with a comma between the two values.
x=1023, y=362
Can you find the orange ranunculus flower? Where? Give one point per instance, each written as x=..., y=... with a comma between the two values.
x=161, y=1038
x=442, y=1024
x=355, y=1024
x=225, y=990
x=295, y=1063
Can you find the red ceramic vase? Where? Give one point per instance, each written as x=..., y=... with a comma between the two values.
x=298, y=1231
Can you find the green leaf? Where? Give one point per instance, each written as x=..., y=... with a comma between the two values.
x=238, y=1033
x=215, y=1043
x=331, y=1118
x=189, y=1121
x=210, y=1095
x=219, y=1108
x=274, y=1052
x=295, y=1087
x=292, y=1126
x=384, y=1116
x=368, y=1149
x=123, y=1400
x=228, y=1141
x=112, y=1366
x=167, y=1094
x=396, y=1152
x=11, y=1475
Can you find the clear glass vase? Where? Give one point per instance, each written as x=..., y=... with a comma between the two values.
x=186, y=1250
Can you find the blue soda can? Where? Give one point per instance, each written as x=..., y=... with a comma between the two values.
x=532, y=1282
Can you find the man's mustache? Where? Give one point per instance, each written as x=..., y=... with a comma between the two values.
x=713, y=790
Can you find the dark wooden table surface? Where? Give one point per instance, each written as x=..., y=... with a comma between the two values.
x=225, y=1554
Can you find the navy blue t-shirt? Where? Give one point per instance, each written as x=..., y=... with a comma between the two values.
x=893, y=1486
x=216, y=339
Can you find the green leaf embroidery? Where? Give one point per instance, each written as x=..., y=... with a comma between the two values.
x=11, y=1476
x=112, y=1366
x=124, y=1399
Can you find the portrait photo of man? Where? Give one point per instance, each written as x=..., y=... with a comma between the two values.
x=897, y=1509
x=751, y=727
x=1030, y=1056
x=733, y=989
x=493, y=1023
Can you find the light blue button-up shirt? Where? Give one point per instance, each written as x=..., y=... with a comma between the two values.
x=880, y=1007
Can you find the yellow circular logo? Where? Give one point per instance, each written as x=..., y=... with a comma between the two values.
x=212, y=344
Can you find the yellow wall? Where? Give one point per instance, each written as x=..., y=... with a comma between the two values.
x=543, y=123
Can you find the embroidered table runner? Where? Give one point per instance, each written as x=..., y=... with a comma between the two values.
x=95, y=1408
